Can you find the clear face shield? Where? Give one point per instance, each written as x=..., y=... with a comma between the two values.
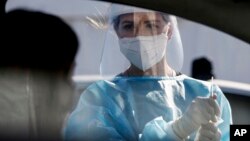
x=141, y=42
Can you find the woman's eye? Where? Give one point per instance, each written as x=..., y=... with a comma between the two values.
x=128, y=27
x=152, y=26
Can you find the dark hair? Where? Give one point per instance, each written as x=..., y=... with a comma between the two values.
x=36, y=40
x=116, y=22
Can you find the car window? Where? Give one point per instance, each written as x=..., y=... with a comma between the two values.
x=215, y=53
x=225, y=52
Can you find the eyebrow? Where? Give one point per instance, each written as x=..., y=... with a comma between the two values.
x=127, y=21
x=147, y=21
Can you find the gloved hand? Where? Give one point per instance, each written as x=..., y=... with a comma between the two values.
x=208, y=132
x=199, y=112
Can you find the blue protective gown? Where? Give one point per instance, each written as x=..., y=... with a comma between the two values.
x=139, y=108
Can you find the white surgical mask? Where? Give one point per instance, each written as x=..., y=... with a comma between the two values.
x=144, y=51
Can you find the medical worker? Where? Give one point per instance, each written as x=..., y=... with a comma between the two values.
x=149, y=100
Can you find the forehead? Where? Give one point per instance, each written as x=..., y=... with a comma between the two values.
x=141, y=16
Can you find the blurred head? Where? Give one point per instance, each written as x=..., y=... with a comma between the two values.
x=37, y=53
x=38, y=41
x=202, y=69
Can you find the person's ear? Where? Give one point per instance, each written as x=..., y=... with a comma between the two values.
x=169, y=30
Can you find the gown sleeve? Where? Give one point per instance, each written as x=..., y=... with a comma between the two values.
x=97, y=117
x=159, y=129
x=226, y=115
